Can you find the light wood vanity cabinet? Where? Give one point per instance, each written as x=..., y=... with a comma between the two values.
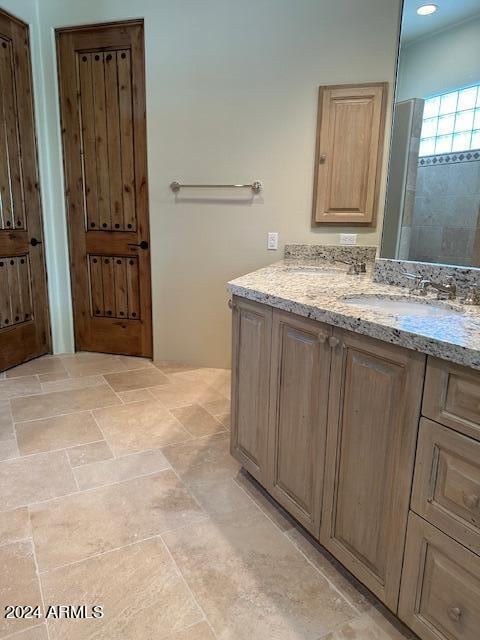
x=328, y=420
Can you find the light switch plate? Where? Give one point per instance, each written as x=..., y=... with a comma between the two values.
x=272, y=240
x=348, y=238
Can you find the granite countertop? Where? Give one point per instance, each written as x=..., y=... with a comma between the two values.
x=321, y=297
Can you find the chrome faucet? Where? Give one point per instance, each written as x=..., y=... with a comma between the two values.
x=355, y=267
x=420, y=284
x=446, y=290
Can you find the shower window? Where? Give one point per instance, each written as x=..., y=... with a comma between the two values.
x=451, y=122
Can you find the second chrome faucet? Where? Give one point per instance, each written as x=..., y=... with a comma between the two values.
x=446, y=290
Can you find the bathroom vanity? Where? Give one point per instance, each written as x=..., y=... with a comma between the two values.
x=364, y=425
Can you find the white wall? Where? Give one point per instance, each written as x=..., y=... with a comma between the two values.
x=443, y=61
x=231, y=96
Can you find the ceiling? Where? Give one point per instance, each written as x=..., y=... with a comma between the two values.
x=449, y=12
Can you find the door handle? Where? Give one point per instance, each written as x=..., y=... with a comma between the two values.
x=34, y=242
x=143, y=244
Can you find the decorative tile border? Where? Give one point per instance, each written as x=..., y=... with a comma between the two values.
x=449, y=158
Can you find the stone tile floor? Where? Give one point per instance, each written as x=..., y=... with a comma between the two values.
x=117, y=489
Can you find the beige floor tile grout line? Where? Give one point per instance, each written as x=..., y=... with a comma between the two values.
x=16, y=634
x=42, y=453
x=14, y=432
x=15, y=541
x=187, y=489
x=116, y=482
x=106, y=383
x=331, y=584
x=103, y=434
x=284, y=533
x=127, y=545
x=40, y=585
x=105, y=439
x=110, y=387
x=180, y=573
x=86, y=490
x=69, y=375
x=68, y=413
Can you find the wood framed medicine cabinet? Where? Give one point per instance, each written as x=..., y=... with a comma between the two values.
x=349, y=150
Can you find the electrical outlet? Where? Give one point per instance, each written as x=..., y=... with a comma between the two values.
x=348, y=238
x=272, y=240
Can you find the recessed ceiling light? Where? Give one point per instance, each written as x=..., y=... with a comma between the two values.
x=426, y=9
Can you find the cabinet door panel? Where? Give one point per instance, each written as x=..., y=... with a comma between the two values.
x=374, y=405
x=298, y=411
x=250, y=383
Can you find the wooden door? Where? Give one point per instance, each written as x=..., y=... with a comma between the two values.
x=298, y=415
x=440, y=595
x=24, y=323
x=102, y=102
x=251, y=343
x=374, y=407
x=350, y=129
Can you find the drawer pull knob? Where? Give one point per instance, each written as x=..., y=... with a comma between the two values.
x=455, y=613
x=333, y=342
x=322, y=338
x=472, y=501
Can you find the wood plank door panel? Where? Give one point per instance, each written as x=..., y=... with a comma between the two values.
x=298, y=415
x=102, y=101
x=374, y=406
x=24, y=321
x=351, y=121
x=251, y=343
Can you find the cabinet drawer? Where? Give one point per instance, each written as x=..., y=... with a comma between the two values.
x=452, y=396
x=440, y=592
x=446, y=487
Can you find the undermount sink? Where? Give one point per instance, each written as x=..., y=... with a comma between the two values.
x=403, y=305
x=315, y=271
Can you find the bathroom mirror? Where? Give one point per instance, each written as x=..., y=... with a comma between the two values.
x=432, y=211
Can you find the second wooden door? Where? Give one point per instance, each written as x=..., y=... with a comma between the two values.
x=102, y=101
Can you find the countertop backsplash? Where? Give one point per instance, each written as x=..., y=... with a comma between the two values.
x=330, y=252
